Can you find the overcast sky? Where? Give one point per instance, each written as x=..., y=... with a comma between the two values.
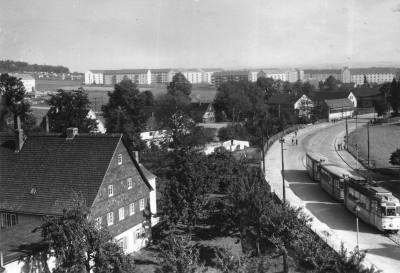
x=98, y=34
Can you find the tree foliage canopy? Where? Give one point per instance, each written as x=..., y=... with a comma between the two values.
x=123, y=112
x=179, y=84
x=72, y=108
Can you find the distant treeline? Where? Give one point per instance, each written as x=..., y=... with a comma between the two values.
x=12, y=66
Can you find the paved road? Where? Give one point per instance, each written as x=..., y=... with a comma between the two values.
x=330, y=216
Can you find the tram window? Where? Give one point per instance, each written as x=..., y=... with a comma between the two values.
x=391, y=212
x=351, y=193
x=356, y=195
x=383, y=211
x=341, y=185
x=362, y=201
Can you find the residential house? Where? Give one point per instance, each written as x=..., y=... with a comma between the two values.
x=84, y=113
x=203, y=112
x=320, y=97
x=299, y=103
x=367, y=97
x=152, y=133
x=207, y=74
x=230, y=76
x=27, y=80
x=276, y=74
x=340, y=108
x=40, y=173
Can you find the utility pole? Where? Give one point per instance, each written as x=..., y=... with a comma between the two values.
x=368, y=140
x=282, y=140
x=262, y=142
x=347, y=136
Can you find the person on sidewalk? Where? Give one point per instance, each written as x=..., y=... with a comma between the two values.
x=296, y=141
x=292, y=141
x=338, y=146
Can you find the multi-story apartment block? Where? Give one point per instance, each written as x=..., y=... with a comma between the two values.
x=254, y=73
x=346, y=75
x=207, y=74
x=373, y=74
x=300, y=74
x=276, y=74
x=230, y=76
x=27, y=80
x=322, y=74
x=192, y=75
x=94, y=76
x=161, y=75
x=291, y=75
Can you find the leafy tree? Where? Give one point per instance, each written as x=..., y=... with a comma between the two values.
x=227, y=262
x=174, y=116
x=71, y=111
x=381, y=107
x=78, y=245
x=308, y=89
x=234, y=131
x=266, y=84
x=287, y=87
x=286, y=226
x=395, y=158
x=395, y=96
x=12, y=103
x=298, y=86
x=331, y=84
x=321, y=86
x=319, y=111
x=179, y=84
x=148, y=98
x=179, y=255
x=351, y=263
x=247, y=208
x=185, y=195
x=123, y=113
x=385, y=90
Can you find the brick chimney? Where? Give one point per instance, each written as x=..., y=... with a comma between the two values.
x=19, y=134
x=136, y=154
x=71, y=132
x=46, y=123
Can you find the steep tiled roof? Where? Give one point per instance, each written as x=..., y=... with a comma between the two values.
x=231, y=73
x=55, y=167
x=339, y=103
x=320, y=96
x=366, y=92
x=373, y=70
x=283, y=99
x=146, y=172
x=199, y=109
x=322, y=71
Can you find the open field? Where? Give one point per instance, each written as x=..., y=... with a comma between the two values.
x=383, y=141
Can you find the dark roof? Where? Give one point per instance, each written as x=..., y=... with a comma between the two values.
x=151, y=123
x=212, y=69
x=320, y=96
x=146, y=172
x=284, y=99
x=348, y=85
x=147, y=110
x=339, y=103
x=52, y=111
x=19, y=240
x=373, y=70
x=366, y=92
x=199, y=109
x=232, y=73
x=161, y=70
x=322, y=71
x=125, y=71
x=97, y=71
x=55, y=167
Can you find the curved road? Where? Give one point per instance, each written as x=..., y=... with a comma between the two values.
x=331, y=219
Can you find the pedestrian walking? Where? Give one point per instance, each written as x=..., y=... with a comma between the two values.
x=338, y=146
x=292, y=141
x=296, y=141
x=295, y=133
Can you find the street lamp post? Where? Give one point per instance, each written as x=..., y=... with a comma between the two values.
x=357, y=157
x=282, y=140
x=357, y=209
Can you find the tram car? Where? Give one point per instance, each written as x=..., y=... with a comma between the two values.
x=332, y=180
x=377, y=206
x=313, y=163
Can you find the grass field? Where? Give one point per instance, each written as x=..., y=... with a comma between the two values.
x=383, y=141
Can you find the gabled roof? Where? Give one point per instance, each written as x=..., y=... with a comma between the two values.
x=232, y=73
x=320, y=96
x=52, y=111
x=199, y=109
x=284, y=99
x=366, y=92
x=147, y=173
x=56, y=168
x=339, y=103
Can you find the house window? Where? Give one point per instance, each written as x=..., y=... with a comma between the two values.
x=110, y=218
x=110, y=190
x=131, y=209
x=122, y=243
x=129, y=183
x=121, y=213
x=97, y=223
x=8, y=220
x=119, y=159
x=141, y=204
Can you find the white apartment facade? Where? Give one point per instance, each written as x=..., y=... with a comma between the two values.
x=192, y=75
x=373, y=75
x=276, y=74
x=94, y=76
x=291, y=75
x=207, y=74
x=27, y=80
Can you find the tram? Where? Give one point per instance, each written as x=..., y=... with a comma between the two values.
x=313, y=162
x=372, y=204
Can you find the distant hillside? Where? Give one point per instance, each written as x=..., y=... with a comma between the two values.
x=11, y=66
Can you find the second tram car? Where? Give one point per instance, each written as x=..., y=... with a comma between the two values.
x=313, y=163
x=332, y=180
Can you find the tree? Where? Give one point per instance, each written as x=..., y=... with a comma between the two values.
x=174, y=116
x=234, y=131
x=179, y=255
x=319, y=112
x=381, y=107
x=385, y=90
x=186, y=194
x=287, y=87
x=395, y=158
x=286, y=226
x=247, y=208
x=298, y=86
x=12, y=103
x=78, y=245
x=148, y=98
x=123, y=113
x=308, y=89
x=395, y=96
x=71, y=111
x=331, y=84
x=179, y=84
